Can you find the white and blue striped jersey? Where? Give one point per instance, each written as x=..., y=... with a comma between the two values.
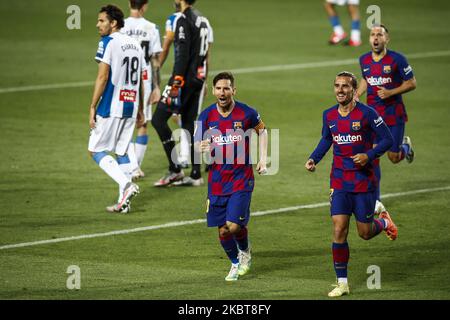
x=125, y=58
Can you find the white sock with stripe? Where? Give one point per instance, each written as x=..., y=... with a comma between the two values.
x=140, y=146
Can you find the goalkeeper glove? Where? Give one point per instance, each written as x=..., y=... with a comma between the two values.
x=172, y=94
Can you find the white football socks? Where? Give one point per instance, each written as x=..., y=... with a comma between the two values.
x=126, y=169
x=342, y=280
x=140, y=152
x=355, y=35
x=112, y=169
x=133, y=158
x=338, y=30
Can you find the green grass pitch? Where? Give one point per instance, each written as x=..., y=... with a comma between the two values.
x=50, y=188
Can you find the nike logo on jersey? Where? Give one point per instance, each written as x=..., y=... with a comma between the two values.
x=213, y=127
x=366, y=69
x=331, y=127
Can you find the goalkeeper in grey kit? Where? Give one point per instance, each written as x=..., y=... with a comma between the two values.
x=182, y=93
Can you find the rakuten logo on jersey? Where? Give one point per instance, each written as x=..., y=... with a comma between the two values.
x=228, y=139
x=347, y=139
x=378, y=81
x=128, y=95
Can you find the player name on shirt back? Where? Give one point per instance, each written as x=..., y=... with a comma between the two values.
x=130, y=46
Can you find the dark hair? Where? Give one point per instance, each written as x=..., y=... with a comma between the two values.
x=113, y=13
x=137, y=4
x=190, y=2
x=381, y=26
x=351, y=76
x=224, y=76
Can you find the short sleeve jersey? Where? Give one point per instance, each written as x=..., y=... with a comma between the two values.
x=389, y=72
x=352, y=134
x=125, y=58
x=231, y=170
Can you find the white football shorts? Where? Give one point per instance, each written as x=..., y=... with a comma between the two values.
x=344, y=2
x=111, y=135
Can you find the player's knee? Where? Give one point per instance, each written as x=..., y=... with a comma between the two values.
x=224, y=232
x=234, y=228
x=340, y=232
x=394, y=157
x=364, y=234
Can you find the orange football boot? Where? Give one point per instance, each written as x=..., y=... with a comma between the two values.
x=391, y=230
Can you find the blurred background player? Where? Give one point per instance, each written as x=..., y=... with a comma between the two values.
x=339, y=34
x=171, y=22
x=147, y=34
x=386, y=76
x=221, y=132
x=351, y=127
x=169, y=34
x=118, y=84
x=182, y=93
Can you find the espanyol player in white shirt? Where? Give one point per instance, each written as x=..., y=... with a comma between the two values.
x=116, y=102
x=147, y=34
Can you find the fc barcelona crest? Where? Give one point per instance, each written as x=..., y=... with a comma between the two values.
x=237, y=125
x=356, y=125
x=387, y=69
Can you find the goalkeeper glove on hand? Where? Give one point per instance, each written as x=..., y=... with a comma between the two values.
x=172, y=94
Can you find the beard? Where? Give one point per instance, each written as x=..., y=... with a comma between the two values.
x=346, y=101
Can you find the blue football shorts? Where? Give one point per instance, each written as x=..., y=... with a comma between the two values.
x=234, y=208
x=361, y=204
x=397, y=133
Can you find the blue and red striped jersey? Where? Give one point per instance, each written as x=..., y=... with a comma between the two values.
x=389, y=73
x=231, y=168
x=350, y=135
